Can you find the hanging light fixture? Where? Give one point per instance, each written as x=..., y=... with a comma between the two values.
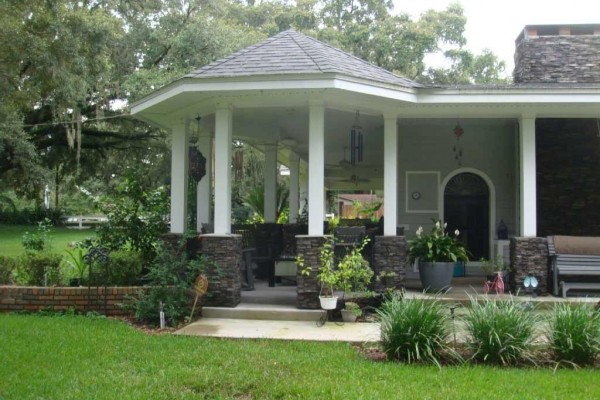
x=458, y=151
x=356, y=141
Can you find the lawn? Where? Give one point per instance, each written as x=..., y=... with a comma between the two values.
x=73, y=357
x=10, y=238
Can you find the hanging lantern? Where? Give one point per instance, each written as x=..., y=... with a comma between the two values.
x=457, y=148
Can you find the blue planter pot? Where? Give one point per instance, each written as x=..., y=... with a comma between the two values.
x=436, y=276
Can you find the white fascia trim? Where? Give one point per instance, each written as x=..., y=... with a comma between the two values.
x=516, y=96
x=274, y=82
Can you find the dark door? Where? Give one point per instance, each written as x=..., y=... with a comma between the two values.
x=466, y=208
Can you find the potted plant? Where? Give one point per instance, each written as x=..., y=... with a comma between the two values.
x=77, y=263
x=351, y=311
x=495, y=269
x=436, y=253
x=327, y=275
x=353, y=271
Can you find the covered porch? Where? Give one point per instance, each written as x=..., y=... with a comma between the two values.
x=428, y=150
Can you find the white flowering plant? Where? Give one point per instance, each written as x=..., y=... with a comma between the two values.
x=437, y=246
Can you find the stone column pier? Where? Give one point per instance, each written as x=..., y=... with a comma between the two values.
x=309, y=248
x=223, y=255
x=529, y=255
x=390, y=254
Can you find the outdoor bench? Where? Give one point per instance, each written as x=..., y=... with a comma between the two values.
x=572, y=259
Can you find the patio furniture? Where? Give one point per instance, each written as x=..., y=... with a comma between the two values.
x=571, y=259
x=346, y=238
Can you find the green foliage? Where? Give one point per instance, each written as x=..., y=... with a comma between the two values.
x=124, y=268
x=108, y=358
x=413, y=330
x=574, y=333
x=437, y=246
x=7, y=266
x=171, y=277
x=76, y=263
x=32, y=216
x=353, y=307
x=353, y=271
x=136, y=218
x=38, y=240
x=37, y=268
x=255, y=199
x=500, y=332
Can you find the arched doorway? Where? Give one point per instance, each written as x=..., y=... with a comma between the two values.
x=467, y=208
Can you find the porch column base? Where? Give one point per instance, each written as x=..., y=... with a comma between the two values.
x=390, y=254
x=309, y=248
x=529, y=255
x=223, y=255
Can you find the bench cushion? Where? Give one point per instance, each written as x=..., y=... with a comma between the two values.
x=577, y=245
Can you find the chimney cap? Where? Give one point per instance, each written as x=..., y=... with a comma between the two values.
x=557, y=29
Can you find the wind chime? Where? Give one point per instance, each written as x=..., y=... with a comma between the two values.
x=356, y=142
x=197, y=161
x=458, y=150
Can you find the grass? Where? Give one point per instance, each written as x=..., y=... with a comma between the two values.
x=73, y=357
x=10, y=238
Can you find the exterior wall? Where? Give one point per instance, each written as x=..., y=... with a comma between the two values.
x=553, y=59
x=488, y=146
x=568, y=177
x=24, y=298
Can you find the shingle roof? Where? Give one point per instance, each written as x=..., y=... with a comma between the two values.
x=291, y=52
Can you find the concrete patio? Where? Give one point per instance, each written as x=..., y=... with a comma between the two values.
x=271, y=313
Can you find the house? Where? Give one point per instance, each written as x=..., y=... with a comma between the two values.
x=525, y=154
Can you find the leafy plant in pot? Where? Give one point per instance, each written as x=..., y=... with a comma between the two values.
x=327, y=275
x=436, y=252
x=351, y=311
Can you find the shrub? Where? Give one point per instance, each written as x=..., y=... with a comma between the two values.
x=500, y=332
x=413, y=330
x=125, y=268
x=171, y=277
x=7, y=266
x=574, y=333
x=29, y=216
x=33, y=268
x=38, y=240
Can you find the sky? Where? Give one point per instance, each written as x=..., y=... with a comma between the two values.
x=496, y=24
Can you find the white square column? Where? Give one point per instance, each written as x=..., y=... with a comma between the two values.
x=270, y=183
x=179, y=178
x=390, y=174
x=204, y=189
x=528, y=203
x=316, y=169
x=294, y=200
x=223, y=136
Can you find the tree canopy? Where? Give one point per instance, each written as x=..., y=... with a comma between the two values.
x=67, y=69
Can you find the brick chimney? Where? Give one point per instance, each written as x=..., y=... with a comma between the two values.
x=558, y=54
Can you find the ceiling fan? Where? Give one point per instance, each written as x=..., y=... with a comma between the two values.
x=355, y=179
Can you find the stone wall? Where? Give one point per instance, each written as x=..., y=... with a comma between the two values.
x=26, y=298
x=389, y=255
x=558, y=59
x=309, y=248
x=568, y=177
x=529, y=255
x=223, y=254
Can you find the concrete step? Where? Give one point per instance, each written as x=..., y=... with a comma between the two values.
x=261, y=312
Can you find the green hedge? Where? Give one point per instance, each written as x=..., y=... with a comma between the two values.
x=32, y=268
x=7, y=266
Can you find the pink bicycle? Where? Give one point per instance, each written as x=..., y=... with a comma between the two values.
x=496, y=284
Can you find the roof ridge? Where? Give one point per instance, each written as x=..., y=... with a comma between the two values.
x=355, y=57
x=302, y=48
